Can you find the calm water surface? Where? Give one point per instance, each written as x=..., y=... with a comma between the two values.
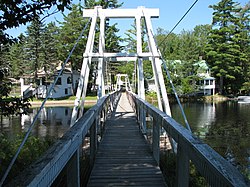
x=225, y=126
x=52, y=122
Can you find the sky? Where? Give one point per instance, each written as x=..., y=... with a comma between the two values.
x=170, y=13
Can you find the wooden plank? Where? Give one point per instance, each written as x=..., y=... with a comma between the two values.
x=124, y=157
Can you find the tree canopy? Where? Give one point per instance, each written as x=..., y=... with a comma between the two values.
x=15, y=13
x=228, y=49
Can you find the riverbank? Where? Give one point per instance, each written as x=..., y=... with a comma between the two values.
x=88, y=102
x=51, y=103
x=172, y=99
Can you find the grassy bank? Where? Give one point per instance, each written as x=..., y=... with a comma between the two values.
x=67, y=101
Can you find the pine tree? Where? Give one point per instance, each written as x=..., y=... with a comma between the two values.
x=223, y=52
x=69, y=31
x=50, y=44
x=16, y=57
x=243, y=40
x=34, y=47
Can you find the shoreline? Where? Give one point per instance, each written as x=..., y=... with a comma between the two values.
x=60, y=103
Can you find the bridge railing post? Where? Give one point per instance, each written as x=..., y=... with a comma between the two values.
x=156, y=139
x=182, y=165
x=73, y=170
x=93, y=140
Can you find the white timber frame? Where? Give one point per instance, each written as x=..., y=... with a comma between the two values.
x=119, y=80
x=140, y=14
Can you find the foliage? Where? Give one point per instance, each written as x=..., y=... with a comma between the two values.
x=182, y=52
x=32, y=150
x=69, y=31
x=168, y=164
x=50, y=43
x=16, y=57
x=131, y=41
x=228, y=50
x=15, y=13
x=13, y=105
x=33, y=47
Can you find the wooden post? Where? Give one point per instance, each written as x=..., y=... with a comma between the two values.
x=73, y=170
x=182, y=166
x=156, y=140
x=93, y=141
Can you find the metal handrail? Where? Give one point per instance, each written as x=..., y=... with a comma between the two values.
x=213, y=167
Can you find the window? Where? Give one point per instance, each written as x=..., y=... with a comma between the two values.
x=66, y=91
x=207, y=82
x=69, y=80
x=59, y=81
x=43, y=81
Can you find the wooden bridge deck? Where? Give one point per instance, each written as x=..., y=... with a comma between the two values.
x=124, y=157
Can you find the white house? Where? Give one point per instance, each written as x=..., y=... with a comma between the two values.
x=65, y=85
x=207, y=84
x=151, y=85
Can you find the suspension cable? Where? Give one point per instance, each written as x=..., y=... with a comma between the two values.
x=178, y=22
x=42, y=105
x=165, y=66
x=176, y=95
x=172, y=85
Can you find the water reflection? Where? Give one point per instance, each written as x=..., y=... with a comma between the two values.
x=52, y=121
x=200, y=116
x=225, y=126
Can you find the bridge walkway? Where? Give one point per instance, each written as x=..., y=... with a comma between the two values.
x=124, y=158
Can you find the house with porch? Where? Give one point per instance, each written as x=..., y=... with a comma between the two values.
x=66, y=84
x=206, y=84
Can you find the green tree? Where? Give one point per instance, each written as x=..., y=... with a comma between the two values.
x=15, y=13
x=16, y=57
x=34, y=47
x=69, y=31
x=243, y=40
x=201, y=33
x=223, y=53
x=50, y=44
x=169, y=44
x=131, y=41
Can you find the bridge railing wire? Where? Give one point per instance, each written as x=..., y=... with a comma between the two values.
x=42, y=105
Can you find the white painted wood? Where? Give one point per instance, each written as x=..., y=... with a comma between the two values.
x=123, y=13
x=157, y=65
x=100, y=75
x=121, y=54
x=84, y=71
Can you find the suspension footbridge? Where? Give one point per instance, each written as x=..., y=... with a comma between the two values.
x=110, y=140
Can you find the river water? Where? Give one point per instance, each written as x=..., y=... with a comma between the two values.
x=225, y=126
x=52, y=122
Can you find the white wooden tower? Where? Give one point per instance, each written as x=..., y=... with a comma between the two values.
x=140, y=14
